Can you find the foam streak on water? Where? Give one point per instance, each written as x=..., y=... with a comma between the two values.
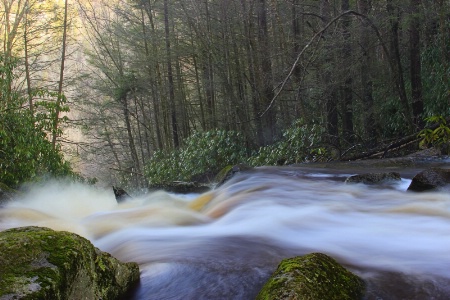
x=225, y=244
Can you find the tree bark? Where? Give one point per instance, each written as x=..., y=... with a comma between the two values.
x=394, y=14
x=330, y=93
x=154, y=73
x=347, y=91
x=208, y=76
x=445, y=40
x=366, y=77
x=126, y=113
x=26, y=59
x=415, y=64
x=59, y=100
x=173, y=114
x=300, y=110
x=269, y=124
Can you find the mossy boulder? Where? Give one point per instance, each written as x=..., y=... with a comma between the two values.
x=315, y=276
x=40, y=263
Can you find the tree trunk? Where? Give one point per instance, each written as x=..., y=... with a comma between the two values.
x=415, y=64
x=269, y=124
x=9, y=37
x=366, y=77
x=397, y=63
x=200, y=94
x=134, y=156
x=330, y=94
x=59, y=100
x=173, y=113
x=347, y=91
x=445, y=40
x=300, y=110
x=251, y=66
x=26, y=59
x=154, y=73
x=208, y=76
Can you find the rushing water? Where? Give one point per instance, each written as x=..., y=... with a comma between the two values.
x=225, y=244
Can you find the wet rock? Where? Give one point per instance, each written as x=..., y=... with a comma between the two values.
x=374, y=178
x=40, y=263
x=181, y=187
x=431, y=179
x=229, y=172
x=120, y=194
x=315, y=276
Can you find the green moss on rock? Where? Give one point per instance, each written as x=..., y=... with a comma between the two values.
x=315, y=276
x=40, y=263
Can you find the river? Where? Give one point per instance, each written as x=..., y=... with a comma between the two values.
x=225, y=244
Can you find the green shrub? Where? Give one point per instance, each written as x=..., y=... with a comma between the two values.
x=202, y=152
x=438, y=137
x=209, y=152
x=164, y=167
x=26, y=154
x=300, y=143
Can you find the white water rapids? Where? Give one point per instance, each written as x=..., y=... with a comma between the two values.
x=225, y=244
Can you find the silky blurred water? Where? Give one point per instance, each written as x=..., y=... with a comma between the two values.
x=225, y=244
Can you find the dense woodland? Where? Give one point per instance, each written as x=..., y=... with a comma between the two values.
x=159, y=87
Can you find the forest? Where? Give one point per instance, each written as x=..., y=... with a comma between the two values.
x=138, y=92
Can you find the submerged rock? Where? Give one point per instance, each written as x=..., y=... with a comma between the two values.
x=374, y=178
x=315, y=276
x=40, y=263
x=431, y=179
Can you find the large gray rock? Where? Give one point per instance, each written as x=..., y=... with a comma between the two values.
x=431, y=179
x=40, y=263
x=315, y=276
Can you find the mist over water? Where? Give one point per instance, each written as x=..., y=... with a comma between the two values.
x=225, y=244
